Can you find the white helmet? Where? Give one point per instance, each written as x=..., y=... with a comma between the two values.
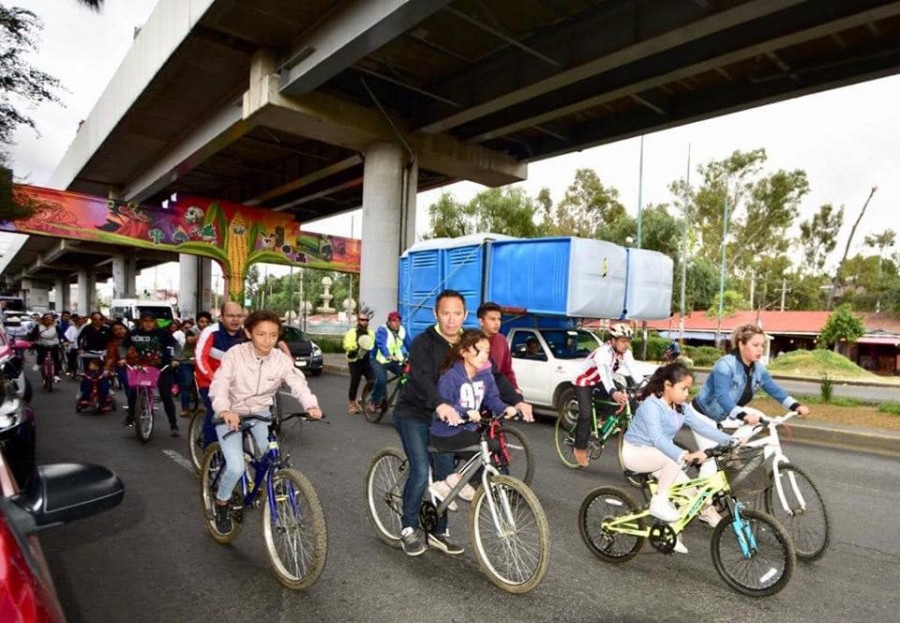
x=621, y=330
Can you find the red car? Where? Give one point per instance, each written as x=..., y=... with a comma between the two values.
x=55, y=495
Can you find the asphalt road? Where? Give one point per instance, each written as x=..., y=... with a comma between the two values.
x=151, y=558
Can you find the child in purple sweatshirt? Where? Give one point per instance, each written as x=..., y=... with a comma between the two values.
x=466, y=383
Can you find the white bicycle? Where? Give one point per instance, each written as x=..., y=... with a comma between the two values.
x=791, y=496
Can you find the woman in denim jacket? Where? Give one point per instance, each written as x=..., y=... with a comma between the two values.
x=734, y=381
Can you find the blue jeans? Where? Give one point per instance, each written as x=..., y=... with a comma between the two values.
x=209, y=429
x=381, y=378
x=233, y=451
x=87, y=386
x=184, y=376
x=414, y=435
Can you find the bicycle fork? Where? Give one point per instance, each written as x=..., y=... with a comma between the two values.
x=743, y=531
x=503, y=518
x=779, y=489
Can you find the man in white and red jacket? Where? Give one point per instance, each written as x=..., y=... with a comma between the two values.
x=213, y=343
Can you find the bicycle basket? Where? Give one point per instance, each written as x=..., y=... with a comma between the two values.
x=745, y=469
x=143, y=377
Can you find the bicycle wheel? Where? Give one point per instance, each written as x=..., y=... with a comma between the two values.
x=514, y=550
x=375, y=417
x=521, y=461
x=295, y=534
x=564, y=436
x=47, y=376
x=602, y=505
x=765, y=569
x=143, y=415
x=385, y=480
x=195, y=440
x=211, y=468
x=805, y=517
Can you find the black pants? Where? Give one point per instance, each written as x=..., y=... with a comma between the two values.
x=583, y=426
x=54, y=353
x=164, y=385
x=359, y=369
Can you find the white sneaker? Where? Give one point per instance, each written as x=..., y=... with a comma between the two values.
x=663, y=509
x=35, y=368
x=679, y=546
x=467, y=492
x=710, y=516
x=56, y=379
x=441, y=490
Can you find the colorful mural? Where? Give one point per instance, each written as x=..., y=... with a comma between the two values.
x=234, y=235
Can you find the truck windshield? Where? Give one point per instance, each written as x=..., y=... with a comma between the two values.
x=570, y=343
x=161, y=313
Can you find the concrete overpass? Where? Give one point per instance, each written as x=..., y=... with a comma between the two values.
x=292, y=106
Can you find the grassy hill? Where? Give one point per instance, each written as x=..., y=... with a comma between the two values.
x=815, y=364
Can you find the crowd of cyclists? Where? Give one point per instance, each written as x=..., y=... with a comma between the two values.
x=453, y=373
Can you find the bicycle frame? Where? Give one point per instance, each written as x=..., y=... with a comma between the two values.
x=771, y=445
x=707, y=488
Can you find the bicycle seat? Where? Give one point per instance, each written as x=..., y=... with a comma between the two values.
x=642, y=477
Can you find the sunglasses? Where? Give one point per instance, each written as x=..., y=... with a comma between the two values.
x=362, y=320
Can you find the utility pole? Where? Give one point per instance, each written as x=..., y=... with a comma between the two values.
x=784, y=291
x=722, y=274
x=684, y=241
x=640, y=193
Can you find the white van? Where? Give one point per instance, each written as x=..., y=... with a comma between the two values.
x=130, y=310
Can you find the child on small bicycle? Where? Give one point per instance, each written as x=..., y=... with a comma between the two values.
x=93, y=373
x=597, y=370
x=46, y=336
x=467, y=383
x=245, y=384
x=648, y=444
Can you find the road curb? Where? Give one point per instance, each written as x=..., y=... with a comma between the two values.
x=884, y=444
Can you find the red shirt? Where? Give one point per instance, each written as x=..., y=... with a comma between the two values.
x=502, y=359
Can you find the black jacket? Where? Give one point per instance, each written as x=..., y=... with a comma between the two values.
x=419, y=397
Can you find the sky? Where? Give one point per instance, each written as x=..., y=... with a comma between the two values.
x=847, y=140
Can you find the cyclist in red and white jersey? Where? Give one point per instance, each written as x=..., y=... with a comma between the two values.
x=597, y=369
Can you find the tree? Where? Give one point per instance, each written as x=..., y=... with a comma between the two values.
x=842, y=326
x=837, y=273
x=733, y=301
x=882, y=241
x=818, y=237
x=701, y=285
x=506, y=210
x=20, y=83
x=586, y=210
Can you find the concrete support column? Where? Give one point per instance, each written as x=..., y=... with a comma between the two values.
x=87, y=286
x=36, y=294
x=195, y=285
x=124, y=269
x=62, y=300
x=386, y=215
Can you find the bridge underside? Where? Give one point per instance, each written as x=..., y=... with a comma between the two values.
x=277, y=103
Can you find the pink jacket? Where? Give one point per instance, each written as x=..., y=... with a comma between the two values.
x=246, y=383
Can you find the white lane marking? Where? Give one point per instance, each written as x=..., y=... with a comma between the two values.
x=178, y=458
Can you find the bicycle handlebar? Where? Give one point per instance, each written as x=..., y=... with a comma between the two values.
x=246, y=420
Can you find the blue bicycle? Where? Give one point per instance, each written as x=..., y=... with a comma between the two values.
x=292, y=519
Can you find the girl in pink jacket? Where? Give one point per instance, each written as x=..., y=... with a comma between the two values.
x=245, y=384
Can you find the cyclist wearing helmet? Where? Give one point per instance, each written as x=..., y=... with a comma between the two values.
x=597, y=370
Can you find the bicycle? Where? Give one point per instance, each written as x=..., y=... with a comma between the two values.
x=791, y=497
x=757, y=562
x=293, y=523
x=195, y=430
x=601, y=432
x=143, y=381
x=93, y=401
x=391, y=391
x=507, y=526
x=48, y=369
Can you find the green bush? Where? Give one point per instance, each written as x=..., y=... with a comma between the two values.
x=656, y=346
x=890, y=407
x=826, y=388
x=329, y=343
x=704, y=356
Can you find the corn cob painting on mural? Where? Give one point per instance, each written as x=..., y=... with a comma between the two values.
x=234, y=235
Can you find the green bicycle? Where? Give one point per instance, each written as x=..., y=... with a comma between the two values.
x=601, y=430
x=391, y=391
x=751, y=552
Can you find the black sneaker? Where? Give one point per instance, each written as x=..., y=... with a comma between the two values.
x=411, y=543
x=174, y=430
x=443, y=543
x=223, y=519
x=128, y=421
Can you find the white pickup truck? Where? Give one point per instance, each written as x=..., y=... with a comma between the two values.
x=547, y=360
